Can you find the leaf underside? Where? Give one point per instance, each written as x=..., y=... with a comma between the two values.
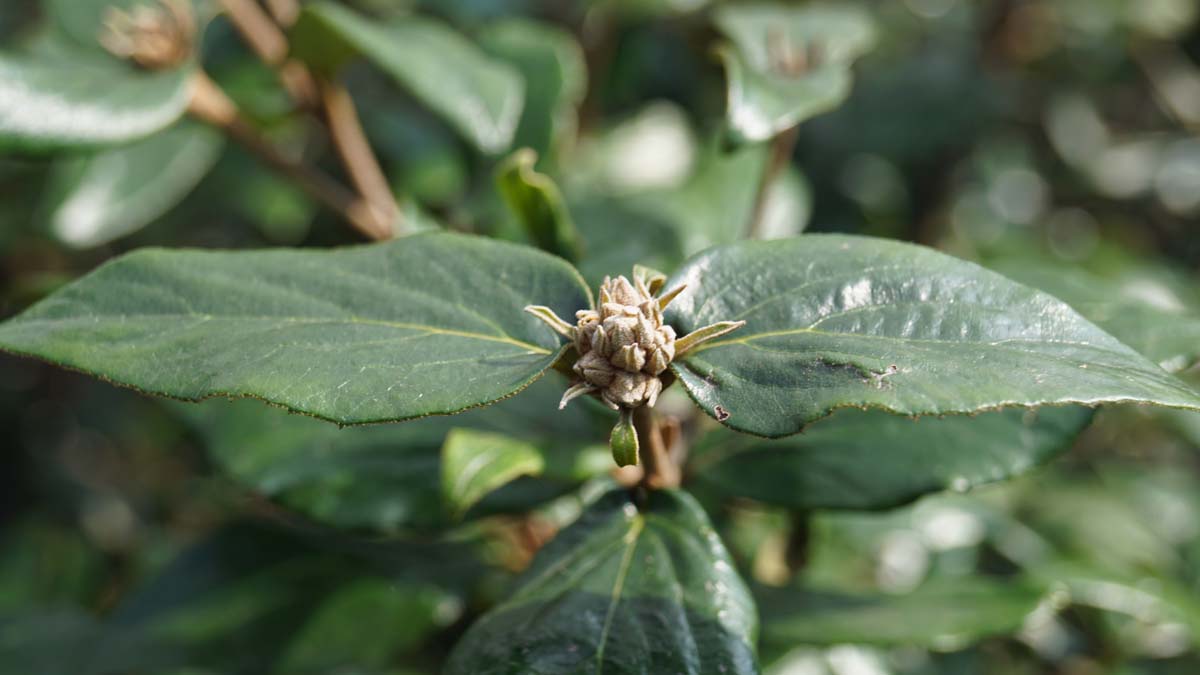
x=874, y=460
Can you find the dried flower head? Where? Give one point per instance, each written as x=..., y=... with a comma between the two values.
x=624, y=346
x=154, y=36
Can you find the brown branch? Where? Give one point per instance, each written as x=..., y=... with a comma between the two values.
x=270, y=43
x=352, y=146
x=660, y=469
x=213, y=106
x=778, y=157
x=285, y=12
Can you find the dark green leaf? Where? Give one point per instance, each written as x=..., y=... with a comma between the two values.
x=1144, y=315
x=555, y=72
x=95, y=199
x=431, y=324
x=837, y=321
x=538, y=203
x=872, y=459
x=365, y=624
x=940, y=615
x=622, y=590
x=52, y=105
x=481, y=97
x=475, y=463
x=788, y=64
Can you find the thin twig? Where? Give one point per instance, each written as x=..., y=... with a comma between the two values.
x=213, y=106
x=778, y=157
x=660, y=469
x=285, y=12
x=352, y=146
x=270, y=43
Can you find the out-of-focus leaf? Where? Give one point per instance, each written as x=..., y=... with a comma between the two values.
x=58, y=105
x=872, y=459
x=71, y=641
x=788, y=64
x=95, y=199
x=389, y=477
x=240, y=600
x=538, y=203
x=82, y=21
x=836, y=321
x=716, y=203
x=366, y=624
x=555, y=72
x=475, y=463
x=355, y=335
x=42, y=564
x=1141, y=313
x=618, y=235
x=481, y=97
x=939, y=615
x=623, y=590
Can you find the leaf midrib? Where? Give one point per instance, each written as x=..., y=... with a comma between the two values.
x=746, y=339
x=431, y=330
x=631, y=540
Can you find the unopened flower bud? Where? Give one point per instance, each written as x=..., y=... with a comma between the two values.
x=625, y=346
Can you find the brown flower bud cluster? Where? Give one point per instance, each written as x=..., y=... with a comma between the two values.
x=154, y=36
x=624, y=347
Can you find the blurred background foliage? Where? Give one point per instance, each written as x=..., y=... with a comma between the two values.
x=1055, y=140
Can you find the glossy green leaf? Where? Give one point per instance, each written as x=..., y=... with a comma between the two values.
x=838, y=321
x=623, y=590
x=479, y=96
x=538, y=204
x=97, y=198
x=555, y=72
x=363, y=334
x=941, y=615
x=871, y=459
x=388, y=477
x=52, y=105
x=475, y=463
x=1144, y=315
x=788, y=64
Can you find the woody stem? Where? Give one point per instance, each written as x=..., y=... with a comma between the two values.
x=659, y=468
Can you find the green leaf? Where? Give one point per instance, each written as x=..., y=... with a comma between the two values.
x=538, y=203
x=98, y=198
x=622, y=590
x=874, y=460
x=716, y=203
x=837, y=321
x=475, y=463
x=479, y=96
x=555, y=72
x=431, y=324
x=942, y=615
x=788, y=64
x=365, y=624
x=55, y=105
x=1143, y=314
x=388, y=477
